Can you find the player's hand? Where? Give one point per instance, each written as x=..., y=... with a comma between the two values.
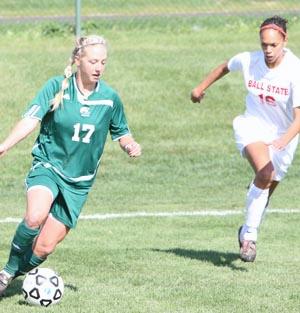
x=197, y=95
x=278, y=144
x=133, y=149
x=3, y=150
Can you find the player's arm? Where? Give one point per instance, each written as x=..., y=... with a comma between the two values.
x=292, y=131
x=130, y=146
x=21, y=130
x=199, y=91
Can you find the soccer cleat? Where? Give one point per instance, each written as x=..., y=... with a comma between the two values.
x=247, y=249
x=5, y=280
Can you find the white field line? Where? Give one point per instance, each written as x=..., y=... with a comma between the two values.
x=109, y=216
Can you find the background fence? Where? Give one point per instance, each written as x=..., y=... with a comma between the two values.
x=19, y=8
x=32, y=11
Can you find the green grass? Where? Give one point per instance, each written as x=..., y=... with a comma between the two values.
x=172, y=265
x=189, y=163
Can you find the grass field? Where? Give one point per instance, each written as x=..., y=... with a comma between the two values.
x=190, y=164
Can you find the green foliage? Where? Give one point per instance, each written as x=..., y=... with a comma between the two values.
x=57, y=29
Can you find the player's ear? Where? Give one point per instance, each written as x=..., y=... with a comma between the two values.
x=77, y=60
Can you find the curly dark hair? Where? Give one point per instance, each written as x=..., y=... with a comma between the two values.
x=277, y=20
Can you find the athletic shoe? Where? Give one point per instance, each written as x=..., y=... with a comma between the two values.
x=5, y=280
x=247, y=249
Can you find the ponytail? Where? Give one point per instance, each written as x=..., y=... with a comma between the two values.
x=58, y=99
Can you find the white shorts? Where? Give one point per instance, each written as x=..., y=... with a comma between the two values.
x=250, y=129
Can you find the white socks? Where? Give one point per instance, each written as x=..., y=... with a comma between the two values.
x=255, y=206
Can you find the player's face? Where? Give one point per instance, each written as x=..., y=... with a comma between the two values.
x=272, y=43
x=91, y=64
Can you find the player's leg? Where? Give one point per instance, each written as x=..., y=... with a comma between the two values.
x=273, y=186
x=39, y=201
x=63, y=216
x=257, y=197
x=52, y=233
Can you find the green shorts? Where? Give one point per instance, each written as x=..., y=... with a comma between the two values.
x=68, y=199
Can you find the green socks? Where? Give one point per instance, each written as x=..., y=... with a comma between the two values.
x=30, y=261
x=21, y=243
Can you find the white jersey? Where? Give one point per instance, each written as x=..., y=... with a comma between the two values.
x=272, y=93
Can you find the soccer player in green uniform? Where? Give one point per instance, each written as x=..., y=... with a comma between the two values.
x=75, y=113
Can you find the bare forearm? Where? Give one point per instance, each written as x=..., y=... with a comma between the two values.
x=199, y=91
x=125, y=140
x=213, y=76
x=21, y=130
x=292, y=131
x=130, y=146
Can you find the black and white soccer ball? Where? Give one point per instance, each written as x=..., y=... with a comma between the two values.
x=42, y=287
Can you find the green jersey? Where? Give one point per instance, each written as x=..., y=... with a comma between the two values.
x=72, y=138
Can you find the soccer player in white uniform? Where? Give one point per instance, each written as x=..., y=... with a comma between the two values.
x=75, y=113
x=267, y=133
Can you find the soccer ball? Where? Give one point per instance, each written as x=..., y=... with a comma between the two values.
x=43, y=287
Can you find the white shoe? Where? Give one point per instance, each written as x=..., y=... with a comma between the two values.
x=247, y=248
x=5, y=280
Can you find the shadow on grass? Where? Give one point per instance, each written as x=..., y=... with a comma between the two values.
x=217, y=258
x=71, y=287
x=15, y=288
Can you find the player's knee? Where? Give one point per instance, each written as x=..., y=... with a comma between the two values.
x=33, y=221
x=265, y=175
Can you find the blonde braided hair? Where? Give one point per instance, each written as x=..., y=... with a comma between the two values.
x=80, y=44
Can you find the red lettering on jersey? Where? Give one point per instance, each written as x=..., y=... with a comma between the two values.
x=278, y=90
x=256, y=84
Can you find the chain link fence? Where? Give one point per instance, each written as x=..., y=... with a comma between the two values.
x=32, y=11
x=24, y=20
